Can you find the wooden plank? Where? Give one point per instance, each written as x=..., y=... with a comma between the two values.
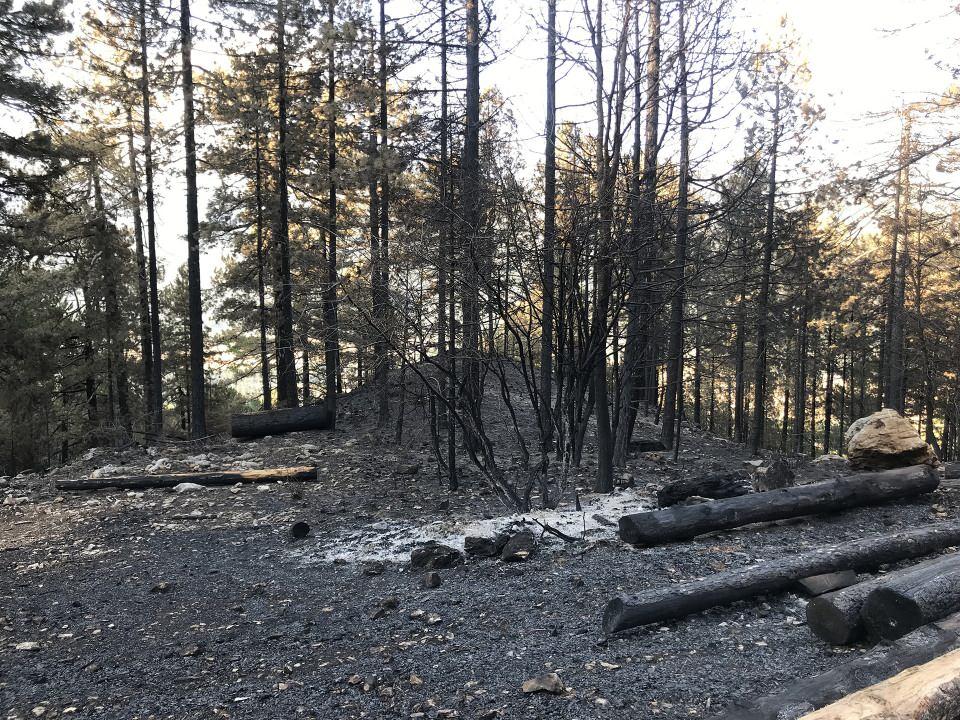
x=924, y=692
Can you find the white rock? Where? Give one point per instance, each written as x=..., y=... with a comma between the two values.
x=185, y=487
x=160, y=465
x=107, y=471
x=29, y=646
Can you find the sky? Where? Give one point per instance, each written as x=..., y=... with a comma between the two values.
x=867, y=57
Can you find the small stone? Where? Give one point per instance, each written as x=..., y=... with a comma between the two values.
x=433, y=556
x=191, y=650
x=480, y=546
x=548, y=683
x=162, y=587
x=431, y=579
x=39, y=711
x=29, y=646
x=415, y=680
x=187, y=487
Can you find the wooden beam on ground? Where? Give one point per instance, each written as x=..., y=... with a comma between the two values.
x=879, y=663
x=212, y=478
x=684, y=522
x=675, y=601
x=925, y=692
x=277, y=422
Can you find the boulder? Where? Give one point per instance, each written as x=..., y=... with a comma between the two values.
x=434, y=556
x=485, y=546
x=887, y=440
x=519, y=547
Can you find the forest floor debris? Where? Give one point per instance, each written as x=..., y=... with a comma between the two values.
x=199, y=605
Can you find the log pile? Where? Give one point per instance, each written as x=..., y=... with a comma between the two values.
x=665, y=603
x=842, y=617
x=685, y=522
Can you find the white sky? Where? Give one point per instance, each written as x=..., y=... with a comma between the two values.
x=866, y=57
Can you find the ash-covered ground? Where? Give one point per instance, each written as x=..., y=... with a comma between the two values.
x=158, y=604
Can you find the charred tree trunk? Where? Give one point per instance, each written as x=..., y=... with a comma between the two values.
x=143, y=287
x=332, y=331
x=671, y=405
x=763, y=301
x=286, y=359
x=198, y=409
x=156, y=386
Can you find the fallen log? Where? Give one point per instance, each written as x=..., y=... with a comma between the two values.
x=687, y=521
x=675, y=601
x=924, y=692
x=714, y=486
x=836, y=616
x=277, y=422
x=879, y=663
x=896, y=607
x=212, y=478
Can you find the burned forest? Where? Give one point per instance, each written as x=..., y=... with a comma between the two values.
x=480, y=359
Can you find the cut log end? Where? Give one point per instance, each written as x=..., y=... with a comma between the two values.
x=890, y=615
x=830, y=623
x=613, y=616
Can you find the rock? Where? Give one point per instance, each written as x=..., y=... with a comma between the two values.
x=646, y=446
x=186, y=487
x=435, y=556
x=548, y=683
x=191, y=650
x=519, y=547
x=479, y=546
x=160, y=465
x=406, y=468
x=107, y=471
x=431, y=579
x=161, y=588
x=887, y=440
x=826, y=459
x=774, y=476
x=28, y=646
